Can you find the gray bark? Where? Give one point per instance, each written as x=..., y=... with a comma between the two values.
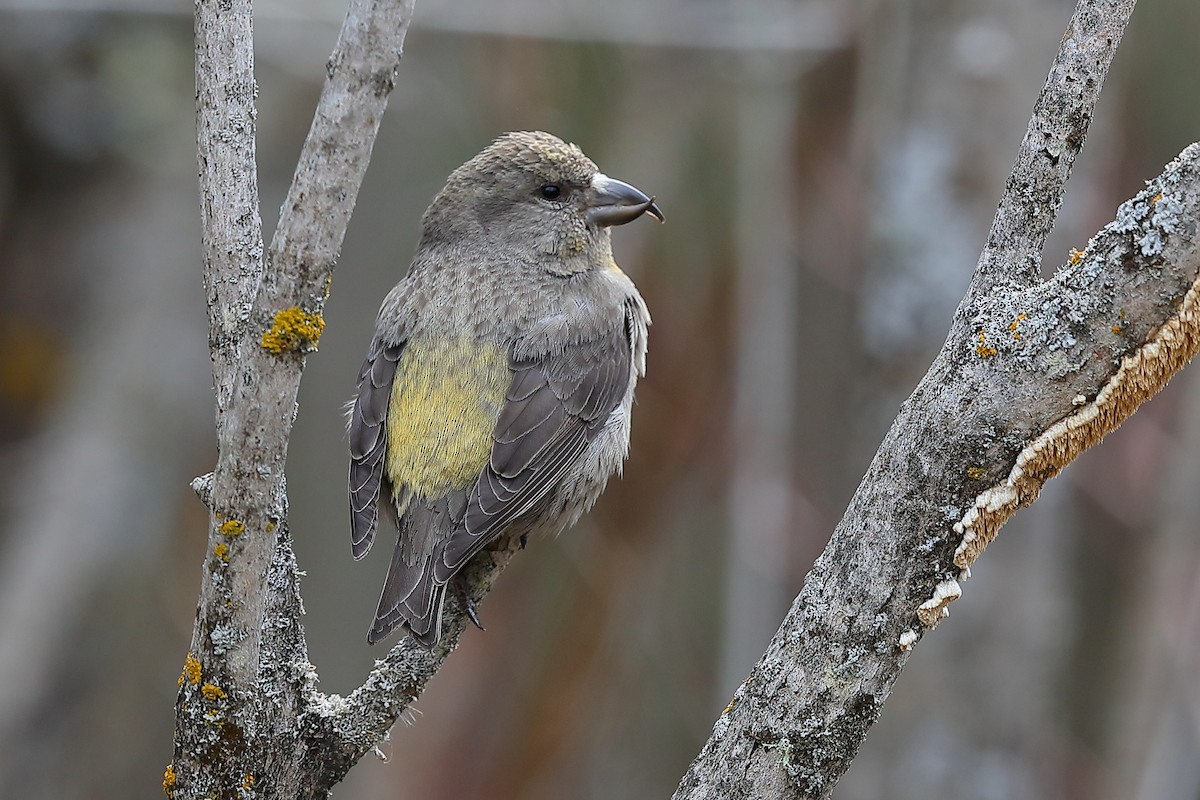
x=1032, y=373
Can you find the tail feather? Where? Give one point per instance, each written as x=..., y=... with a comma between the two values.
x=412, y=595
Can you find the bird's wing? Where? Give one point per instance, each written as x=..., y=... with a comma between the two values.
x=368, y=441
x=554, y=406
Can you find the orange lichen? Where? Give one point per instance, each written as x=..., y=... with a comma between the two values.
x=1076, y=256
x=213, y=692
x=1116, y=328
x=983, y=350
x=1156, y=198
x=191, y=670
x=231, y=528
x=293, y=330
x=247, y=781
x=221, y=551
x=169, y=780
x=975, y=473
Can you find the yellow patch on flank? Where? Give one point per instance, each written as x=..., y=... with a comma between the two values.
x=446, y=398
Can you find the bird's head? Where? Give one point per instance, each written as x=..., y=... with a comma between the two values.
x=534, y=196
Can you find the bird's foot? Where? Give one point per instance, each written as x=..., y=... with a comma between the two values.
x=468, y=604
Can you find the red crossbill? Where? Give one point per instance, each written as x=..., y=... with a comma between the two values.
x=496, y=394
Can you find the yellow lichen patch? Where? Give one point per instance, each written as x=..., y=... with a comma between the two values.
x=1012, y=326
x=191, y=670
x=1141, y=375
x=728, y=708
x=1156, y=198
x=221, y=551
x=213, y=692
x=247, y=781
x=293, y=330
x=1116, y=328
x=1076, y=256
x=169, y=780
x=974, y=473
x=231, y=528
x=983, y=350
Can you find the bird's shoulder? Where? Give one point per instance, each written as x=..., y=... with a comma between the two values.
x=482, y=295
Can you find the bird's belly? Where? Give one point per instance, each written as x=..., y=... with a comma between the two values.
x=445, y=400
x=603, y=457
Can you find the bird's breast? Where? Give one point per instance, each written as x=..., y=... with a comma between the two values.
x=445, y=400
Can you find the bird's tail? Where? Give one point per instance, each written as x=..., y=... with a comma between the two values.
x=412, y=595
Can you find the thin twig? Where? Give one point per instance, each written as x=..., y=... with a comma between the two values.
x=1055, y=136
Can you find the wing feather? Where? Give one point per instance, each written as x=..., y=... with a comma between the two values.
x=368, y=442
x=554, y=407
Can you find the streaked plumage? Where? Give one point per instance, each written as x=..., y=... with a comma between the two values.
x=496, y=394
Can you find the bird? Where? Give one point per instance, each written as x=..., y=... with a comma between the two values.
x=495, y=398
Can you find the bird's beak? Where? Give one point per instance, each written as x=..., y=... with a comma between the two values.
x=614, y=202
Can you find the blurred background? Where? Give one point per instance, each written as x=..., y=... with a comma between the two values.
x=829, y=169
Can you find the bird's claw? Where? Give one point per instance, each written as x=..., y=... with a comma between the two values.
x=468, y=604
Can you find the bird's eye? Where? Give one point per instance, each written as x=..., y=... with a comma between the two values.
x=551, y=191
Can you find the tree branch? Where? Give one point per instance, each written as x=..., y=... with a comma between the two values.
x=263, y=319
x=1055, y=136
x=1031, y=374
